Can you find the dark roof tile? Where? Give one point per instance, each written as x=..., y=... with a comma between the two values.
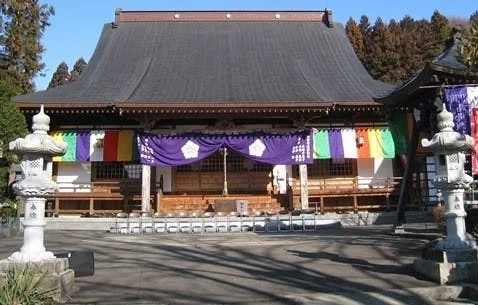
x=219, y=62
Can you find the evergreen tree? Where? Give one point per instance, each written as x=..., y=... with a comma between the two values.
x=12, y=126
x=60, y=77
x=410, y=57
x=398, y=73
x=381, y=56
x=474, y=17
x=23, y=23
x=469, y=50
x=441, y=32
x=429, y=43
x=356, y=38
x=78, y=68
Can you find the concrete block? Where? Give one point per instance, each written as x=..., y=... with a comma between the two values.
x=58, y=275
x=447, y=273
x=67, y=283
x=50, y=266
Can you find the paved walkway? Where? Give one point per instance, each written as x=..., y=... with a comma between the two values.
x=352, y=265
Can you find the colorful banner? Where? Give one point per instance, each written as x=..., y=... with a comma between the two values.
x=77, y=142
x=474, y=134
x=456, y=101
x=349, y=136
x=97, y=145
x=293, y=148
x=398, y=124
x=353, y=143
x=472, y=98
x=110, y=145
x=321, y=144
x=82, y=146
x=363, y=147
x=336, y=144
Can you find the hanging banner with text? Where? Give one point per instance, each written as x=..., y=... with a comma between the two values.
x=456, y=101
x=463, y=103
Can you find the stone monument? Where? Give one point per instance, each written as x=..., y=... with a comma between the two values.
x=453, y=258
x=37, y=150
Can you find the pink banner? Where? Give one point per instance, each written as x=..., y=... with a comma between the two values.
x=474, y=135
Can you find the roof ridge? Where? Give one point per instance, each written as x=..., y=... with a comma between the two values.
x=223, y=15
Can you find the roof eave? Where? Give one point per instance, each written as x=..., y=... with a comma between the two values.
x=422, y=79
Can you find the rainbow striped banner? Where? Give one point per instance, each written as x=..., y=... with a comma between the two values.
x=97, y=145
x=344, y=143
x=78, y=145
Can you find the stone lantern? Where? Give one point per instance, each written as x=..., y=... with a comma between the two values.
x=453, y=258
x=36, y=150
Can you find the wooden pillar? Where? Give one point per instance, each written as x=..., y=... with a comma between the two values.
x=407, y=176
x=225, y=191
x=91, y=206
x=304, y=186
x=57, y=207
x=146, y=189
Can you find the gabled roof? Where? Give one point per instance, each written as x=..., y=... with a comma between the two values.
x=220, y=58
x=446, y=65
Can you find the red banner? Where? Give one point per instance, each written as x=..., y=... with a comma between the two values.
x=474, y=135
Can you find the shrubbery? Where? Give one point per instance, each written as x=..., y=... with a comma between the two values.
x=25, y=285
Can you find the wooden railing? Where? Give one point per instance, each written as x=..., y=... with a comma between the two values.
x=347, y=193
x=104, y=196
x=328, y=194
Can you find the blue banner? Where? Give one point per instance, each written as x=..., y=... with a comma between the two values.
x=456, y=101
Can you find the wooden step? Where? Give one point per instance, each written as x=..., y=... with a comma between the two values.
x=201, y=203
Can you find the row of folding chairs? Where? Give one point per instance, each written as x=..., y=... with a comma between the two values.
x=144, y=223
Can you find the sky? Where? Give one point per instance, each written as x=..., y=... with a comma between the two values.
x=76, y=26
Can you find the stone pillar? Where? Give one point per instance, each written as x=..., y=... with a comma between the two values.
x=146, y=189
x=304, y=186
x=456, y=236
x=34, y=228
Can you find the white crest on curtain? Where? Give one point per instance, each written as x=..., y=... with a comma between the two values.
x=190, y=150
x=257, y=148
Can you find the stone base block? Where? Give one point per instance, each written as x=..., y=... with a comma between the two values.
x=450, y=256
x=59, y=275
x=447, y=273
x=67, y=283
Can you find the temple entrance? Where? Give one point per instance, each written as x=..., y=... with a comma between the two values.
x=207, y=176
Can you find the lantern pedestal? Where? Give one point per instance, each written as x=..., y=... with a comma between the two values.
x=448, y=266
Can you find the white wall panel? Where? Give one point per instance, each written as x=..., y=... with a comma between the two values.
x=74, y=177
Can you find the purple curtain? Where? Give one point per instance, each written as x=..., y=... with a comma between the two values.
x=179, y=150
x=175, y=150
x=274, y=149
x=336, y=144
x=456, y=102
x=83, y=146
